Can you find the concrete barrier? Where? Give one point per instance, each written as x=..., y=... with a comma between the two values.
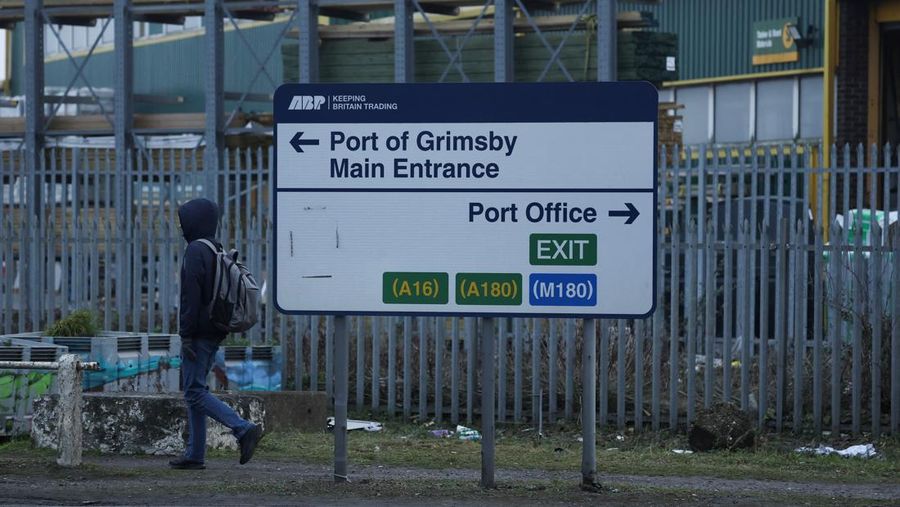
x=66, y=418
x=142, y=423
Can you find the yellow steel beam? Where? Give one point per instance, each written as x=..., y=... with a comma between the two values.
x=830, y=64
x=887, y=11
x=742, y=77
x=873, y=126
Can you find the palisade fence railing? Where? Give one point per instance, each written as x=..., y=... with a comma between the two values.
x=776, y=290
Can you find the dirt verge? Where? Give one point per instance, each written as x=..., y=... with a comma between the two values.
x=142, y=480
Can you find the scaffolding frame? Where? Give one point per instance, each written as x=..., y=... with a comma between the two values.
x=37, y=15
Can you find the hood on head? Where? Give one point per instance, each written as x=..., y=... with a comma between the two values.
x=199, y=219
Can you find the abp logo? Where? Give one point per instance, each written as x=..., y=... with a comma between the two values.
x=306, y=103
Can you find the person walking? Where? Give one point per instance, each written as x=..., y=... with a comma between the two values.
x=200, y=339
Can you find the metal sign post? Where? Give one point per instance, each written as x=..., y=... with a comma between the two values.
x=488, y=345
x=589, y=405
x=342, y=379
x=488, y=199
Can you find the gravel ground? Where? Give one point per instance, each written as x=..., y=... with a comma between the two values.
x=147, y=480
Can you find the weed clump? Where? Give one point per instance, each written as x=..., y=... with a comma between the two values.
x=78, y=323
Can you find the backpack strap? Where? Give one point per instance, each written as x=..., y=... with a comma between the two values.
x=217, y=279
x=209, y=244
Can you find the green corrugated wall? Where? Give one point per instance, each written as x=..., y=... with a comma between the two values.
x=714, y=36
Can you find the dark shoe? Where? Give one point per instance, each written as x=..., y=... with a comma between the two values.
x=186, y=464
x=248, y=442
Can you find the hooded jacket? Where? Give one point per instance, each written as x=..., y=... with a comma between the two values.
x=199, y=220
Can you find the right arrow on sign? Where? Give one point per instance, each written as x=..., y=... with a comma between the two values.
x=631, y=213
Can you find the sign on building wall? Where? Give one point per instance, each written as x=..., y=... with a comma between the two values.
x=772, y=41
x=488, y=199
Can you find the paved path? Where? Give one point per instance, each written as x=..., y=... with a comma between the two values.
x=147, y=480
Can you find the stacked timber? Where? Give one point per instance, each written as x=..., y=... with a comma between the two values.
x=364, y=52
x=649, y=56
x=669, y=123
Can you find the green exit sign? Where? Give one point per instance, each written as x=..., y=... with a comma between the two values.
x=563, y=249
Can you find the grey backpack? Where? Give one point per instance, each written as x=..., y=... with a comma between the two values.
x=235, y=303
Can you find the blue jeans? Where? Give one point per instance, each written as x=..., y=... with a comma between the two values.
x=197, y=358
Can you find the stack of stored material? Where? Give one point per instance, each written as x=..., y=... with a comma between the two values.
x=669, y=124
x=364, y=51
x=649, y=56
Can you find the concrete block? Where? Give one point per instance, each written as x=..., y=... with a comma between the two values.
x=146, y=423
x=294, y=410
x=139, y=423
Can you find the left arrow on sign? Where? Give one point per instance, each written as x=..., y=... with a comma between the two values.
x=299, y=143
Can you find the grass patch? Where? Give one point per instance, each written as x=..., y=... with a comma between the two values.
x=22, y=447
x=407, y=445
x=19, y=457
x=650, y=454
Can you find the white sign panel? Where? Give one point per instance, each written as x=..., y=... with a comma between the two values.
x=490, y=199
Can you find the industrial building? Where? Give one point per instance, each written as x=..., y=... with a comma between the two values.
x=736, y=92
x=748, y=71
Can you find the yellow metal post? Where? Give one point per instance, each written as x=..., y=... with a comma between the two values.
x=873, y=106
x=830, y=63
x=874, y=89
